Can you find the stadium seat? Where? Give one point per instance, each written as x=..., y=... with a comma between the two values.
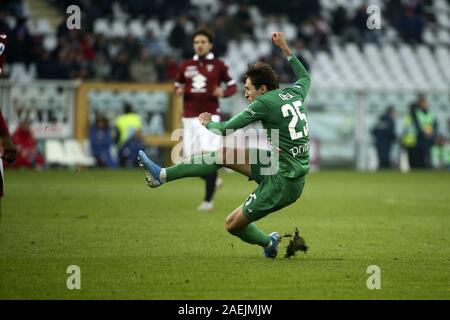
x=75, y=153
x=443, y=37
x=429, y=37
x=167, y=27
x=43, y=27
x=441, y=6
x=256, y=15
x=289, y=30
x=118, y=29
x=443, y=20
x=118, y=12
x=442, y=55
x=101, y=26
x=153, y=26
x=54, y=153
x=248, y=52
x=19, y=73
x=50, y=42
x=136, y=28
x=430, y=67
x=264, y=48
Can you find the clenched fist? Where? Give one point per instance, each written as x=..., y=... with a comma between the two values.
x=204, y=118
x=279, y=40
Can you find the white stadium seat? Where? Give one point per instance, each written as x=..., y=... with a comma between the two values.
x=153, y=26
x=101, y=26
x=75, y=153
x=118, y=29
x=136, y=28
x=54, y=153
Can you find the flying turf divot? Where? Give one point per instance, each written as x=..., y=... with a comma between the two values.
x=297, y=243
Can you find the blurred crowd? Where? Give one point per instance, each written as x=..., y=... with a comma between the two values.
x=422, y=146
x=117, y=145
x=82, y=54
x=111, y=145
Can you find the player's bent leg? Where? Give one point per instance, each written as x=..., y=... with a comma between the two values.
x=205, y=164
x=195, y=166
x=240, y=226
x=153, y=170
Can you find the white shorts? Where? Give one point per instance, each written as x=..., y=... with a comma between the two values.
x=197, y=139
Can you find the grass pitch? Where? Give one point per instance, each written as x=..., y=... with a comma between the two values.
x=135, y=243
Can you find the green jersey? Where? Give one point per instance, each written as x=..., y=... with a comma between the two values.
x=280, y=111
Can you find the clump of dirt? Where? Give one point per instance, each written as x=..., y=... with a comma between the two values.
x=297, y=243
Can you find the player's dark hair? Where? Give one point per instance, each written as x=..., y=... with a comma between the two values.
x=262, y=74
x=203, y=32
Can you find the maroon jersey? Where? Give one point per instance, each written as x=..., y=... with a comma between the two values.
x=200, y=77
x=3, y=42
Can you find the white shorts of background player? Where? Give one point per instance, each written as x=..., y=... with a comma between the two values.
x=197, y=139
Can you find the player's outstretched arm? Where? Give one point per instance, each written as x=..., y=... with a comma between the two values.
x=254, y=112
x=303, y=77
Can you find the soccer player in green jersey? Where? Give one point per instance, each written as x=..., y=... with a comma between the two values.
x=282, y=178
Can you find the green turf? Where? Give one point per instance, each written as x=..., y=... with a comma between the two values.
x=132, y=242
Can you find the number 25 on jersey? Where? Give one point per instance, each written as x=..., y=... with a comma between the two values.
x=294, y=110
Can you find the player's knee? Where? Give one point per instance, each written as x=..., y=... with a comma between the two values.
x=230, y=226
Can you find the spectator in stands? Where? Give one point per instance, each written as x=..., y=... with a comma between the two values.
x=28, y=155
x=224, y=25
x=340, y=20
x=394, y=11
x=314, y=32
x=129, y=151
x=281, y=68
x=426, y=132
x=45, y=67
x=441, y=153
x=4, y=26
x=179, y=40
x=120, y=70
x=243, y=19
x=409, y=136
x=132, y=47
x=155, y=46
x=101, y=142
x=384, y=134
x=411, y=26
x=78, y=67
x=220, y=35
x=101, y=69
x=127, y=125
x=143, y=69
x=359, y=22
x=160, y=65
x=171, y=68
x=299, y=51
x=102, y=46
x=19, y=43
x=87, y=46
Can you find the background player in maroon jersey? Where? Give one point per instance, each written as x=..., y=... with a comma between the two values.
x=3, y=43
x=7, y=149
x=199, y=81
